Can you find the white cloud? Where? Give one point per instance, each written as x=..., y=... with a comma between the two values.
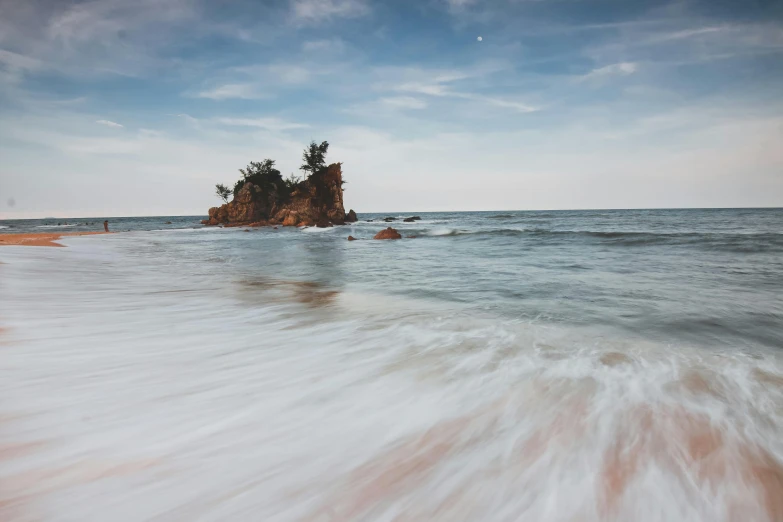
x=232, y=90
x=272, y=124
x=109, y=123
x=315, y=11
x=615, y=69
x=404, y=102
x=455, y=5
x=334, y=45
x=291, y=74
x=504, y=103
x=438, y=84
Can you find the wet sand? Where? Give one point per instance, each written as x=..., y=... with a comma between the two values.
x=41, y=239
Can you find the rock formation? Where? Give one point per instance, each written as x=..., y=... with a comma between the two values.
x=316, y=200
x=388, y=233
x=350, y=217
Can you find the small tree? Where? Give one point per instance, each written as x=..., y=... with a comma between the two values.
x=291, y=181
x=223, y=192
x=314, y=158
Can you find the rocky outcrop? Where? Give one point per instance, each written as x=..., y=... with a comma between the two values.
x=351, y=238
x=317, y=200
x=389, y=233
x=411, y=219
x=350, y=217
x=248, y=206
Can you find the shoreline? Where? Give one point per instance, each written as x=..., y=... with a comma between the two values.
x=45, y=239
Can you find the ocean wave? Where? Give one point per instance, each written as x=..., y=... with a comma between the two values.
x=731, y=241
x=56, y=226
x=3, y=226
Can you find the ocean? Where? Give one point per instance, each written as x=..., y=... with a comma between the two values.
x=500, y=366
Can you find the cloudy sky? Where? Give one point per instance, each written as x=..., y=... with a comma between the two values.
x=116, y=107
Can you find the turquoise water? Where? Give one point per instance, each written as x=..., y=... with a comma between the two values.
x=569, y=365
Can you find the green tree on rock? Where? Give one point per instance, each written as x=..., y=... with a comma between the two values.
x=264, y=174
x=223, y=192
x=314, y=158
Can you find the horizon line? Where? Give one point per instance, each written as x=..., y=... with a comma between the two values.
x=422, y=212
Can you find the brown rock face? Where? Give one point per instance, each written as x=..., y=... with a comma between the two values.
x=350, y=217
x=317, y=199
x=291, y=219
x=351, y=238
x=389, y=233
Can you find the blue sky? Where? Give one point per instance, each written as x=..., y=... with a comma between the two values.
x=138, y=108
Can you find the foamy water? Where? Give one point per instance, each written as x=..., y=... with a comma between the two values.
x=185, y=375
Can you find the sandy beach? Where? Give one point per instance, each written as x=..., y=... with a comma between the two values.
x=41, y=239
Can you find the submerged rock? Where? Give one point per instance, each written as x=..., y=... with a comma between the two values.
x=388, y=233
x=389, y=219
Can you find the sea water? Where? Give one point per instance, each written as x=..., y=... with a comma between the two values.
x=503, y=366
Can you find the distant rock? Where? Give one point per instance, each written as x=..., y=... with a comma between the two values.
x=388, y=233
x=350, y=217
x=369, y=220
x=389, y=219
x=351, y=238
x=412, y=219
x=166, y=223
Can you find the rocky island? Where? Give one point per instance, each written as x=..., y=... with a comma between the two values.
x=263, y=197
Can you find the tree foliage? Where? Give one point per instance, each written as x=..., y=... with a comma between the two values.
x=314, y=158
x=223, y=192
x=265, y=175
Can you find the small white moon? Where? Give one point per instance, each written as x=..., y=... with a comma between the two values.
x=479, y=39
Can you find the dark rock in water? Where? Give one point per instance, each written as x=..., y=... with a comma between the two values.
x=409, y=220
x=323, y=224
x=246, y=230
x=351, y=238
x=389, y=233
x=389, y=219
x=350, y=217
x=168, y=223
x=369, y=220
x=416, y=218
x=275, y=228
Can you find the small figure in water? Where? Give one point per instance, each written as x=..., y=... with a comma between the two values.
x=106, y=225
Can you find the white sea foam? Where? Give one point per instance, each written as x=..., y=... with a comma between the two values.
x=140, y=384
x=3, y=226
x=56, y=226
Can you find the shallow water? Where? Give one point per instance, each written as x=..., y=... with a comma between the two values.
x=606, y=365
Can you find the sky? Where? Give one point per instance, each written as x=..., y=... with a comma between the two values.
x=120, y=108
